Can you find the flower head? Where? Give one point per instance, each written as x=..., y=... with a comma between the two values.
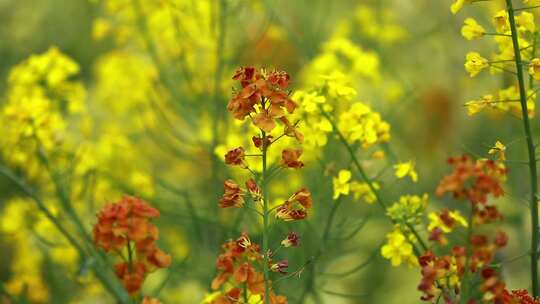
x=475, y=63
x=406, y=169
x=472, y=30
x=342, y=183
x=233, y=196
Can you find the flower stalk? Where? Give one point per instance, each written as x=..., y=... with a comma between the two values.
x=530, y=150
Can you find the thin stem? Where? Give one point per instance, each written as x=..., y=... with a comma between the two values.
x=525, y=8
x=530, y=150
x=265, y=220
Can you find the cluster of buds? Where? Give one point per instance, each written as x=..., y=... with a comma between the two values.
x=473, y=182
x=237, y=265
x=125, y=228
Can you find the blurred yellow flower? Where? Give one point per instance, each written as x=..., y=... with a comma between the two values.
x=472, y=30
x=406, y=169
x=342, y=183
x=499, y=150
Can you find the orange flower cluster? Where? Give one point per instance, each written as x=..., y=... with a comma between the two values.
x=520, y=296
x=125, y=228
x=237, y=265
x=473, y=181
x=263, y=97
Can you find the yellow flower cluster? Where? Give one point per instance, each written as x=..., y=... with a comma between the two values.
x=399, y=249
x=344, y=185
x=40, y=96
x=405, y=169
x=408, y=209
x=507, y=101
x=362, y=125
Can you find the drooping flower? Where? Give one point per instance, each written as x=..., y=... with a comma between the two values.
x=233, y=196
x=292, y=240
x=290, y=158
x=296, y=207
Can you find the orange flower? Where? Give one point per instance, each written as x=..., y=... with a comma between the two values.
x=123, y=224
x=289, y=158
x=254, y=190
x=473, y=181
x=295, y=208
x=132, y=276
x=236, y=157
x=232, y=196
x=262, y=97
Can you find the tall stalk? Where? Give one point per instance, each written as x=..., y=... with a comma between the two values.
x=265, y=219
x=530, y=150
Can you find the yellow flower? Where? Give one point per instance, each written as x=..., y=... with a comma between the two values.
x=526, y=22
x=342, y=183
x=408, y=208
x=499, y=150
x=472, y=30
x=398, y=249
x=406, y=169
x=534, y=68
x=500, y=20
x=362, y=191
x=361, y=124
x=458, y=5
x=475, y=106
x=436, y=222
x=475, y=63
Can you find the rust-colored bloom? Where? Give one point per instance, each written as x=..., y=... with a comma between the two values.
x=295, y=208
x=473, y=180
x=280, y=267
x=292, y=240
x=126, y=223
x=262, y=96
x=237, y=265
x=290, y=158
x=236, y=157
x=254, y=190
x=233, y=196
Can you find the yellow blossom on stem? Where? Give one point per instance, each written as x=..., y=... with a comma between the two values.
x=362, y=191
x=406, y=169
x=534, y=68
x=472, y=30
x=499, y=150
x=342, y=183
x=435, y=221
x=475, y=63
x=398, y=249
x=458, y=5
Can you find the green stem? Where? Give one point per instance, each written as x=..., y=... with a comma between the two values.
x=367, y=180
x=530, y=150
x=265, y=221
